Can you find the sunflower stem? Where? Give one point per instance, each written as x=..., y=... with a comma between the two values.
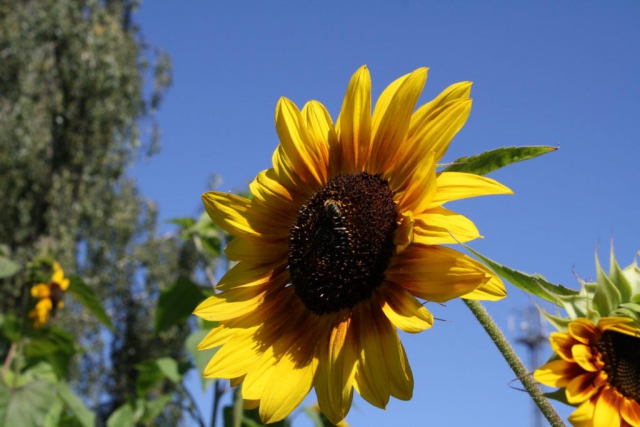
x=514, y=362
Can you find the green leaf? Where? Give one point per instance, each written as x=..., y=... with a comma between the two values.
x=154, y=371
x=534, y=284
x=201, y=357
x=87, y=297
x=25, y=406
x=607, y=296
x=7, y=267
x=55, y=346
x=10, y=327
x=170, y=368
x=85, y=416
x=149, y=376
x=489, y=161
x=177, y=302
x=122, y=417
x=153, y=408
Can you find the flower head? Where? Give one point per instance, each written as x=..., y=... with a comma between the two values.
x=338, y=244
x=49, y=296
x=598, y=365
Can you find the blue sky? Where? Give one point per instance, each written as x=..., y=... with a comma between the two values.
x=543, y=72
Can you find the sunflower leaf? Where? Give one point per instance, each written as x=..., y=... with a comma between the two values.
x=27, y=405
x=489, y=161
x=7, y=267
x=82, y=414
x=534, y=284
x=87, y=297
x=177, y=302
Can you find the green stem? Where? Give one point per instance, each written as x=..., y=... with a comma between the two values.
x=217, y=393
x=193, y=408
x=514, y=362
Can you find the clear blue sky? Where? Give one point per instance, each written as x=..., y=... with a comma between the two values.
x=543, y=73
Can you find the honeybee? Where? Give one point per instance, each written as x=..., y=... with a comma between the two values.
x=332, y=209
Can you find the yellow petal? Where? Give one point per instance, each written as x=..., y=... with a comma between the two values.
x=460, y=185
x=583, y=356
x=336, y=369
x=250, y=404
x=235, y=357
x=581, y=387
x=491, y=290
x=428, y=111
x=403, y=310
x=556, y=373
x=582, y=330
x=400, y=375
x=250, y=274
x=372, y=378
x=287, y=387
x=630, y=411
x=583, y=416
x=235, y=215
x=353, y=127
x=286, y=174
x=321, y=130
x=256, y=251
x=435, y=273
x=391, y=118
x=419, y=188
x=269, y=191
x=607, y=411
x=58, y=273
x=230, y=304
x=305, y=155
x=434, y=132
x=439, y=226
x=403, y=236
x=40, y=291
x=258, y=376
x=561, y=343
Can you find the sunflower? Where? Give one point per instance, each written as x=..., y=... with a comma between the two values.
x=338, y=244
x=599, y=369
x=49, y=296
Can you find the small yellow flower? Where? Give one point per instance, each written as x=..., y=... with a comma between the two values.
x=49, y=296
x=340, y=241
x=599, y=368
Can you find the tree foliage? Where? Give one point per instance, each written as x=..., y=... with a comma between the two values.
x=78, y=88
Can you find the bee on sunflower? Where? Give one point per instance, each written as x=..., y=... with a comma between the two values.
x=340, y=242
x=596, y=360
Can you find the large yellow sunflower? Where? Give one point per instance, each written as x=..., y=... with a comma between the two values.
x=338, y=242
x=599, y=367
x=49, y=296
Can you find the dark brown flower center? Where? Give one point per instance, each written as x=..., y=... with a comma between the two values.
x=341, y=242
x=621, y=357
x=55, y=294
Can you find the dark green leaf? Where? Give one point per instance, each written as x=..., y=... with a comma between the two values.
x=7, y=267
x=534, y=284
x=25, y=406
x=10, y=328
x=87, y=297
x=149, y=376
x=489, y=161
x=176, y=303
x=54, y=346
x=153, y=408
x=201, y=357
x=86, y=417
